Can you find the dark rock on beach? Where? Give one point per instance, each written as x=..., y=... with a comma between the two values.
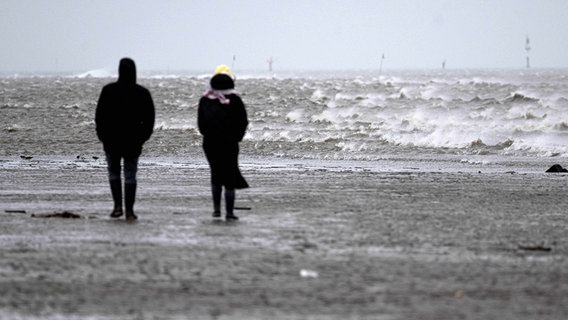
x=556, y=168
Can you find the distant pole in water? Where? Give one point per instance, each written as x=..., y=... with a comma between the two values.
x=270, y=61
x=444, y=64
x=381, y=65
x=528, y=49
x=233, y=64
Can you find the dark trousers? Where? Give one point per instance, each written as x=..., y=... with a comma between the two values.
x=130, y=169
x=114, y=168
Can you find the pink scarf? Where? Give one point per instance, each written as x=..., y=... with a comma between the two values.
x=219, y=95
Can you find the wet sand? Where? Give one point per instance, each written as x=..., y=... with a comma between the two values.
x=320, y=241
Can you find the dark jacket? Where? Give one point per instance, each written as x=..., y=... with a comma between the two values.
x=222, y=123
x=125, y=113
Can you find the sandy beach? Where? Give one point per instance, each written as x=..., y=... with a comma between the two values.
x=322, y=240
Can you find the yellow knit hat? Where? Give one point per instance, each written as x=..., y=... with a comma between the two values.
x=223, y=69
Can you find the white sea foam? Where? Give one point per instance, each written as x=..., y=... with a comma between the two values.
x=295, y=115
x=493, y=112
x=97, y=73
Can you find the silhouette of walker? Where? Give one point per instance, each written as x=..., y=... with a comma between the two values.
x=124, y=120
x=222, y=120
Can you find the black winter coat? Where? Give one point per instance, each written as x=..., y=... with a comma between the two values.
x=125, y=115
x=222, y=123
x=223, y=126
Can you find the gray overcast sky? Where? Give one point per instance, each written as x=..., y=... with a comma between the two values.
x=171, y=35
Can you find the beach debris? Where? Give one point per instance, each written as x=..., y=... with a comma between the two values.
x=306, y=273
x=83, y=157
x=304, y=244
x=539, y=247
x=459, y=294
x=64, y=214
x=15, y=211
x=26, y=157
x=242, y=208
x=556, y=168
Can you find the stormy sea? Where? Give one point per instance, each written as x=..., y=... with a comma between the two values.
x=450, y=116
x=411, y=194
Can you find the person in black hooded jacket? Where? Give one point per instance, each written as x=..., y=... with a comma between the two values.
x=222, y=120
x=124, y=121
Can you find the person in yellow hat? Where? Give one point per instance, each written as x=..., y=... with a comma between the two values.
x=222, y=120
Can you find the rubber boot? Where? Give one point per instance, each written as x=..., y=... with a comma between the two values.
x=216, y=193
x=230, y=204
x=129, y=198
x=116, y=191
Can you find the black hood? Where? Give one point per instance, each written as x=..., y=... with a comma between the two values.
x=127, y=71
